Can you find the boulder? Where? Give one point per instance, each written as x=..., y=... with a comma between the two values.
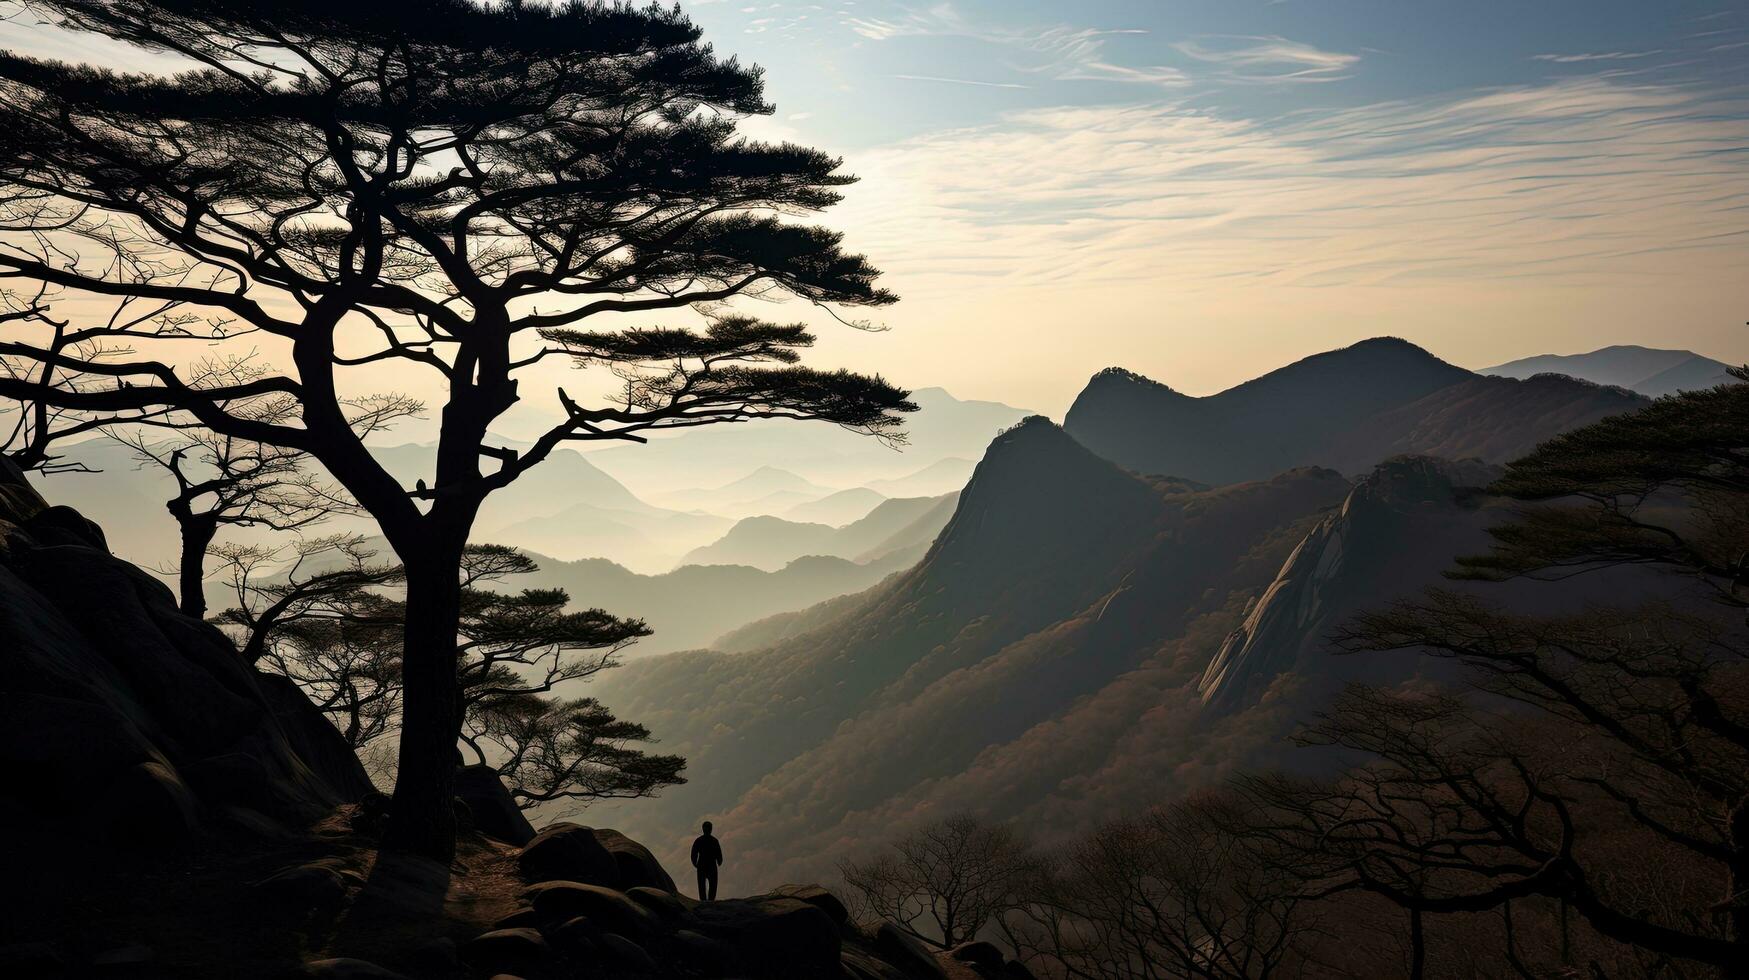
x=434, y=956
x=610, y=910
x=495, y=811
x=860, y=964
x=234, y=777
x=575, y=935
x=978, y=953
x=148, y=806
x=772, y=934
x=371, y=815
x=524, y=917
x=507, y=950
x=664, y=903
x=348, y=968
x=61, y=525
x=702, y=953
x=636, y=865
x=627, y=957
x=567, y=852
x=904, y=951
x=305, y=888
x=818, y=897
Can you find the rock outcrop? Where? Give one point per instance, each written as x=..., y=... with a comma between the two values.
x=1352, y=559
x=569, y=927
x=227, y=830
x=127, y=717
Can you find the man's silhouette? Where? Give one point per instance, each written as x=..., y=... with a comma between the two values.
x=707, y=854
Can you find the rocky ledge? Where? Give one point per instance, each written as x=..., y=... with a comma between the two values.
x=170, y=812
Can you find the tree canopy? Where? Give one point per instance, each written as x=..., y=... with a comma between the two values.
x=447, y=187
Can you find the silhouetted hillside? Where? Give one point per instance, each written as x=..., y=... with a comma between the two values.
x=836, y=509
x=692, y=605
x=942, y=476
x=1347, y=409
x=772, y=542
x=1491, y=419
x=764, y=542
x=921, y=529
x=124, y=721
x=1649, y=371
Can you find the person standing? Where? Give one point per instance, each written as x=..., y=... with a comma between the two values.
x=707, y=855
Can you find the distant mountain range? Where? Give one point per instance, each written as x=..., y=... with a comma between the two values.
x=1081, y=633
x=690, y=487
x=1650, y=371
x=943, y=428
x=1347, y=409
x=690, y=607
x=772, y=542
x=837, y=509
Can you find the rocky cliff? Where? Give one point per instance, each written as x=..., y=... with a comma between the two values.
x=122, y=716
x=172, y=813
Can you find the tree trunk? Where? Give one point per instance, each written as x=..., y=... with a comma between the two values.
x=197, y=537
x=1737, y=889
x=422, y=816
x=1417, y=946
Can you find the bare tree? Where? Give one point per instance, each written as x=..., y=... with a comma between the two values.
x=1599, y=760
x=1182, y=891
x=944, y=882
x=31, y=426
x=326, y=581
x=454, y=188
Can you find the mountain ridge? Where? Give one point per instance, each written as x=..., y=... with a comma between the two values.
x=1348, y=408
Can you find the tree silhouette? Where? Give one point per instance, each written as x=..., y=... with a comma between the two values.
x=551, y=749
x=943, y=882
x=30, y=429
x=332, y=623
x=1181, y=891
x=448, y=187
x=223, y=481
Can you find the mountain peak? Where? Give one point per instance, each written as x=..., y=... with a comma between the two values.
x=1035, y=460
x=1119, y=378
x=1034, y=435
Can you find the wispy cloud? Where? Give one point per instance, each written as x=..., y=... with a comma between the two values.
x=1060, y=52
x=1569, y=182
x=960, y=81
x=1565, y=59
x=1267, y=58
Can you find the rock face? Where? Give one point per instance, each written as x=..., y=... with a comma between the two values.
x=1353, y=559
x=127, y=713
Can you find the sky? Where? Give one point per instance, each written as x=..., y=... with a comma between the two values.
x=1200, y=190
x=1203, y=190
